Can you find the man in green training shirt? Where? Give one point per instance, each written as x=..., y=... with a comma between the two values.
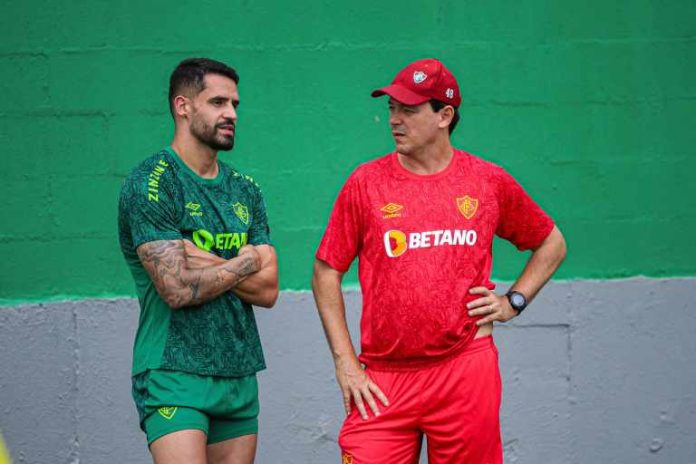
x=195, y=236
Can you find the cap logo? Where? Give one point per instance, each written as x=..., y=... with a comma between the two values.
x=449, y=93
x=419, y=77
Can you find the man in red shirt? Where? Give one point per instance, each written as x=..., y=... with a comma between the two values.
x=421, y=220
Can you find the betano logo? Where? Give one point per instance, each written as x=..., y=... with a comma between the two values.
x=396, y=242
x=224, y=241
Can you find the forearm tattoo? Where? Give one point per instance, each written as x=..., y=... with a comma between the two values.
x=165, y=262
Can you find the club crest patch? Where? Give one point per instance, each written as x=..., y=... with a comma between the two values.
x=167, y=412
x=242, y=212
x=467, y=206
x=419, y=77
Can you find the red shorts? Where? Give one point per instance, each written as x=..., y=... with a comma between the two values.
x=455, y=403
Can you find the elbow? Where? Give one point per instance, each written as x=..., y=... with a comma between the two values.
x=316, y=275
x=268, y=299
x=560, y=249
x=271, y=297
x=324, y=275
x=173, y=298
x=274, y=295
x=273, y=292
x=313, y=283
x=563, y=252
x=175, y=301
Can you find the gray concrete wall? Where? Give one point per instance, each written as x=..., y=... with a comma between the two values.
x=594, y=372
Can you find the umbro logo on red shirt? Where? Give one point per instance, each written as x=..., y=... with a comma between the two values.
x=391, y=210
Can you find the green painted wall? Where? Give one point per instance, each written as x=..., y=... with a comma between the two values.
x=590, y=104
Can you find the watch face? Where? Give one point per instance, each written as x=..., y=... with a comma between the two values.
x=517, y=300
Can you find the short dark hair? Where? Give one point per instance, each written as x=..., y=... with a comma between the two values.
x=190, y=75
x=437, y=105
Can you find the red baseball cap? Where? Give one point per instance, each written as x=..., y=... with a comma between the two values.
x=422, y=81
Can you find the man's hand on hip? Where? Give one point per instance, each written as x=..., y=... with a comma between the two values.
x=490, y=306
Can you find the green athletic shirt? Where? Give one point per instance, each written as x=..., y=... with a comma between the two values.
x=163, y=199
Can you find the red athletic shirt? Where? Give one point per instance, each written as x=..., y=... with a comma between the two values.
x=422, y=242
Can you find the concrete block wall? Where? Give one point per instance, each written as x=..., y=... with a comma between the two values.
x=591, y=374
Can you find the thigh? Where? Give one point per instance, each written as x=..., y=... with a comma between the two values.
x=223, y=430
x=462, y=423
x=180, y=447
x=377, y=442
x=168, y=420
x=169, y=401
x=239, y=450
x=233, y=406
x=391, y=438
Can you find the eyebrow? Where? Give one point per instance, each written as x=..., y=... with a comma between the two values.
x=222, y=97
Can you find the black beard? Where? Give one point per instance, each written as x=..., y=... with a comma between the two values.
x=208, y=136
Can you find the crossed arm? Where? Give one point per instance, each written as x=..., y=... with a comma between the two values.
x=183, y=279
x=259, y=288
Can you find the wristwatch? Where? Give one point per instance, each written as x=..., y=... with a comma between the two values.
x=517, y=300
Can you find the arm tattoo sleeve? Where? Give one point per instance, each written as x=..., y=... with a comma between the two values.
x=165, y=262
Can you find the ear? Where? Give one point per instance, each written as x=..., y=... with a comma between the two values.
x=182, y=106
x=446, y=114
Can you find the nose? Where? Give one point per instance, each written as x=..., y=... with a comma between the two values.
x=394, y=117
x=230, y=113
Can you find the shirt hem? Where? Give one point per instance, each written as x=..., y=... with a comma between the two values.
x=135, y=372
x=422, y=363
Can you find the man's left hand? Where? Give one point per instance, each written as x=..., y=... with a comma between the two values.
x=491, y=306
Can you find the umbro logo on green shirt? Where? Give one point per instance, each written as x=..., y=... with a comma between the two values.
x=194, y=209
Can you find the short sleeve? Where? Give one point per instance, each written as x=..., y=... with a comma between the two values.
x=148, y=213
x=521, y=220
x=341, y=242
x=259, y=231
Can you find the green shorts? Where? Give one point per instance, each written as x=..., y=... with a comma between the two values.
x=222, y=407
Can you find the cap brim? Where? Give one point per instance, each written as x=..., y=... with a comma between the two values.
x=401, y=94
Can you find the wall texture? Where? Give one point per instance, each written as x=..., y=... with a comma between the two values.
x=589, y=104
x=591, y=374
